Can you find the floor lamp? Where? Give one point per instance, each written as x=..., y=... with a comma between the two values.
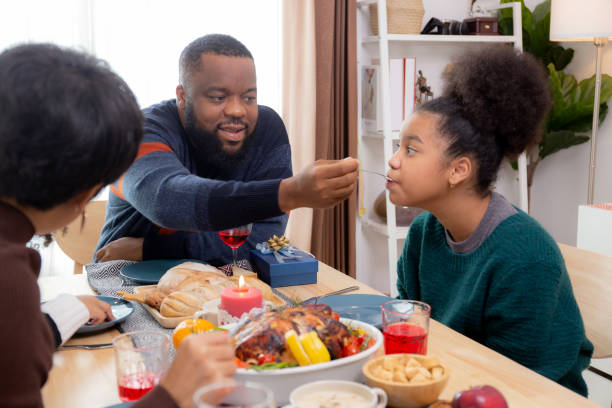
x=587, y=20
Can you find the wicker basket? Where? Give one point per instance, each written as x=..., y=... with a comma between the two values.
x=403, y=16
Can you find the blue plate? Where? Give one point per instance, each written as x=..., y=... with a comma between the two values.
x=122, y=405
x=121, y=310
x=150, y=272
x=365, y=308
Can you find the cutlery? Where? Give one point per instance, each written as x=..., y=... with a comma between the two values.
x=86, y=346
x=281, y=295
x=315, y=299
x=377, y=173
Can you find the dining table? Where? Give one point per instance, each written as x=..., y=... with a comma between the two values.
x=86, y=378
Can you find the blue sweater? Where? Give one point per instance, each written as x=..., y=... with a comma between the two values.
x=512, y=294
x=173, y=199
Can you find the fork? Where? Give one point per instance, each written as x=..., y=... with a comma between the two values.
x=85, y=346
x=377, y=173
x=315, y=299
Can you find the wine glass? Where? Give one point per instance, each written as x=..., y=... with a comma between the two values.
x=234, y=237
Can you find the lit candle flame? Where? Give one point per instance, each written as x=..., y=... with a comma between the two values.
x=241, y=282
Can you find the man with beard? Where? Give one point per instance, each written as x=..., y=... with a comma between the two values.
x=210, y=160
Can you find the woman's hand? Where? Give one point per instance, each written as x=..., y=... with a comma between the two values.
x=99, y=311
x=201, y=359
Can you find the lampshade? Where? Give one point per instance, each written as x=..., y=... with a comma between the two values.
x=575, y=20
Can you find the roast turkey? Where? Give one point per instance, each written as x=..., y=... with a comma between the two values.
x=265, y=333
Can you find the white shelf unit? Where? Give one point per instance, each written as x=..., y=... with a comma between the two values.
x=419, y=44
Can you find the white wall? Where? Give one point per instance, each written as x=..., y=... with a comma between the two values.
x=142, y=41
x=560, y=182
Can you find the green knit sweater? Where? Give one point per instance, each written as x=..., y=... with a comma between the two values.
x=512, y=294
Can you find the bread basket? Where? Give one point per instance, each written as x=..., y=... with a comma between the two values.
x=403, y=16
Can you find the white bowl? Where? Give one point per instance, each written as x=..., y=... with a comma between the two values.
x=283, y=381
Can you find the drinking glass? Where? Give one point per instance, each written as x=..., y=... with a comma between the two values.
x=405, y=326
x=234, y=394
x=141, y=358
x=234, y=237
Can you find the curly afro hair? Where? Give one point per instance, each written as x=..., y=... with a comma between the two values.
x=493, y=106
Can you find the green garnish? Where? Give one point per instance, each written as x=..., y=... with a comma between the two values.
x=271, y=366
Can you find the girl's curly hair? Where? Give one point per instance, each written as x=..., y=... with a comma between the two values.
x=493, y=106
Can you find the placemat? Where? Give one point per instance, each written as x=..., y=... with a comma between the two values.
x=104, y=278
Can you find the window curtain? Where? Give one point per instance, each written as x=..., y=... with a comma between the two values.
x=299, y=102
x=333, y=230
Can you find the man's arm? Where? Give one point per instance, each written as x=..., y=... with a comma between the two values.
x=159, y=187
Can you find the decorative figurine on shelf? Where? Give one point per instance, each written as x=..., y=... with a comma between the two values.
x=423, y=92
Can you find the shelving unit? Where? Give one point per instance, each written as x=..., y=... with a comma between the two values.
x=379, y=46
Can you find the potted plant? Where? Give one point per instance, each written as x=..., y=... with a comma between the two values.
x=570, y=120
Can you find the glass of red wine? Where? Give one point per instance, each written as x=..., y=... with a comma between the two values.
x=405, y=326
x=141, y=358
x=234, y=237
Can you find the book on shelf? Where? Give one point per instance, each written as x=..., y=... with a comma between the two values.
x=369, y=98
x=402, y=82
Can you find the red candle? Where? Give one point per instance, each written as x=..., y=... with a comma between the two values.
x=237, y=301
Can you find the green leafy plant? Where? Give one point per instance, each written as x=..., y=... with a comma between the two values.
x=569, y=122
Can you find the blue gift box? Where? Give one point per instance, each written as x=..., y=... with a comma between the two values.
x=301, y=270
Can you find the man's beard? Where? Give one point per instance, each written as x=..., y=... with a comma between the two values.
x=209, y=147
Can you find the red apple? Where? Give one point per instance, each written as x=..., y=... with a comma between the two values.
x=482, y=396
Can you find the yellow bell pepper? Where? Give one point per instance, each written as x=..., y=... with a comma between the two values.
x=296, y=348
x=316, y=350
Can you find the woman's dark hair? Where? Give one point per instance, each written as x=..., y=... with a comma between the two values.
x=67, y=124
x=493, y=106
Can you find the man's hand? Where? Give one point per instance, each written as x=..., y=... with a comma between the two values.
x=322, y=184
x=126, y=248
x=99, y=311
x=201, y=359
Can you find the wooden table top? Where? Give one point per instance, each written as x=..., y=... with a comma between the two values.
x=86, y=378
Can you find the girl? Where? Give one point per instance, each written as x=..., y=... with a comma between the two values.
x=487, y=269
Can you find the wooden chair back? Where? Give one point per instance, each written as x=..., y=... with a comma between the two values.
x=79, y=243
x=591, y=276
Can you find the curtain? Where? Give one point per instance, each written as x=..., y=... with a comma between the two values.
x=333, y=230
x=299, y=102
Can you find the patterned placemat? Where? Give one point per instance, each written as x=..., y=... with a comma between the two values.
x=105, y=279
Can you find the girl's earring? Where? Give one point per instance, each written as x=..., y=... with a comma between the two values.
x=451, y=185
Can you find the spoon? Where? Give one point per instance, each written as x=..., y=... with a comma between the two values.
x=377, y=173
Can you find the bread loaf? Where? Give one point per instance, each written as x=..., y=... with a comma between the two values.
x=179, y=304
x=174, y=278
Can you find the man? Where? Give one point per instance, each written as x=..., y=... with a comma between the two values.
x=211, y=160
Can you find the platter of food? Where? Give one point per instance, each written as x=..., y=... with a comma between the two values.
x=331, y=348
x=184, y=289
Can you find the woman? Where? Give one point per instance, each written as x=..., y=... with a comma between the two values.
x=487, y=269
x=68, y=127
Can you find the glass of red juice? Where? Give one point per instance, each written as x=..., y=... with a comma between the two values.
x=141, y=358
x=234, y=237
x=405, y=326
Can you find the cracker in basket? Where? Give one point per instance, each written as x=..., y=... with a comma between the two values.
x=405, y=369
